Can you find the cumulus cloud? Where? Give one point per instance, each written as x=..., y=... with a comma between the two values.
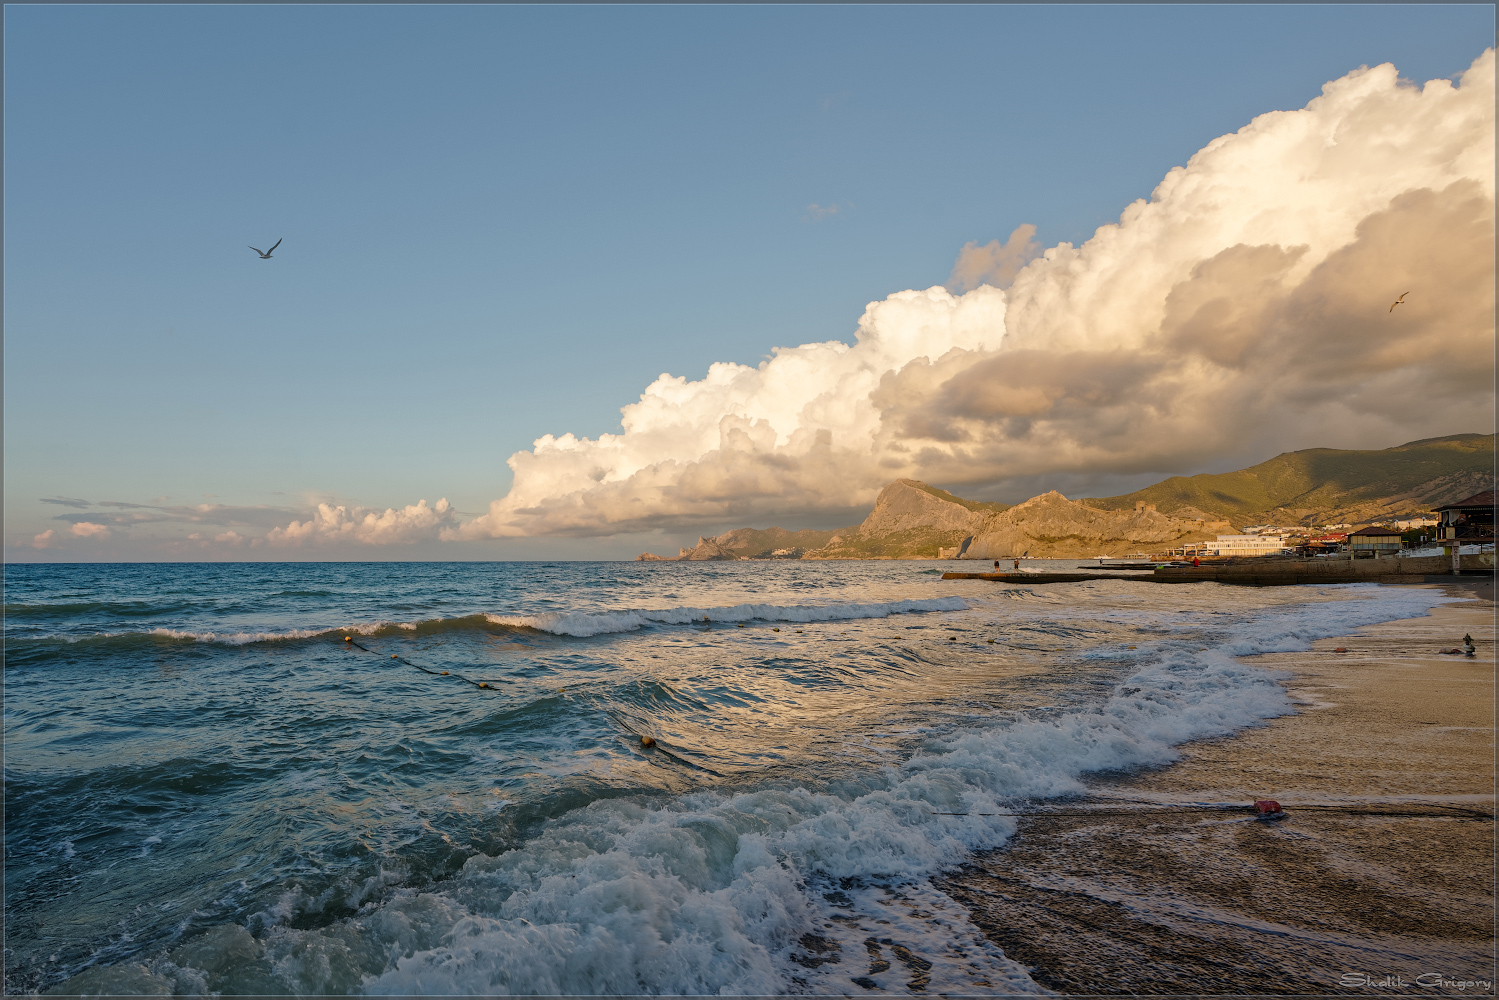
x=338, y=524
x=87, y=529
x=1242, y=310
x=816, y=212
x=46, y=540
x=994, y=263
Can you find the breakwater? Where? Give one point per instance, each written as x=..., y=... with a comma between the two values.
x=1272, y=572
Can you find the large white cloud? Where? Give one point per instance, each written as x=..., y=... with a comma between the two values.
x=1242, y=310
x=339, y=524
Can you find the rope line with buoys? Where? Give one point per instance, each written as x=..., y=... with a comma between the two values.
x=1264, y=809
x=486, y=685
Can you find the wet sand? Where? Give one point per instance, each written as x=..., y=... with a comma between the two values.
x=1379, y=881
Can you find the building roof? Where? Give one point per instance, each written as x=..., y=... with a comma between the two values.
x=1375, y=529
x=1477, y=501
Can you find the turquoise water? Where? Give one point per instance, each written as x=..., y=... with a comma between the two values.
x=398, y=778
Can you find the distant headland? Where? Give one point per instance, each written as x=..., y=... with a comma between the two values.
x=912, y=520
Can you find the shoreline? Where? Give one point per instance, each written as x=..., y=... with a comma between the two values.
x=1379, y=881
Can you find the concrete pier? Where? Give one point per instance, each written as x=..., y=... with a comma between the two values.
x=1272, y=572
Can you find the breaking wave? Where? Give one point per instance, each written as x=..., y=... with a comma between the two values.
x=577, y=624
x=775, y=889
x=587, y=623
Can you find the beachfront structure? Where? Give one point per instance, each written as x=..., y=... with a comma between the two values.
x=1469, y=520
x=1323, y=544
x=1374, y=541
x=1246, y=545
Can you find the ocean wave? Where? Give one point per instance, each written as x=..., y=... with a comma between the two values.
x=746, y=892
x=576, y=624
x=587, y=623
x=786, y=889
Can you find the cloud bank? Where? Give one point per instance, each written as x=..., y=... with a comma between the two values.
x=1242, y=310
x=332, y=525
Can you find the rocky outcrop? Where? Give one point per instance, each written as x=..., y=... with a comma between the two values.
x=747, y=543
x=1052, y=527
x=910, y=520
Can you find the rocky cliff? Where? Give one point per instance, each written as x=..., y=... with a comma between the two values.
x=910, y=520
x=748, y=543
x=1052, y=527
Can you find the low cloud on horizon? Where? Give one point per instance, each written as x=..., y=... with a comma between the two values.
x=1242, y=311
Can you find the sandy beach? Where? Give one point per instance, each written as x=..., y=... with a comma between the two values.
x=1379, y=881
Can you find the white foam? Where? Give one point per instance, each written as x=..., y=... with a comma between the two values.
x=718, y=892
x=244, y=638
x=586, y=623
x=231, y=638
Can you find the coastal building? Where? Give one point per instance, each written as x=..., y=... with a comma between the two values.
x=1247, y=545
x=1323, y=544
x=1470, y=520
x=1374, y=541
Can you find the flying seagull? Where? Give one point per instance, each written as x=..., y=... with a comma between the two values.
x=266, y=254
x=1399, y=301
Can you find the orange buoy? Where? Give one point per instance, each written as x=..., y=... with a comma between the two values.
x=394, y=656
x=1341, y=649
x=348, y=638
x=647, y=741
x=444, y=673
x=1268, y=809
x=483, y=685
x=775, y=630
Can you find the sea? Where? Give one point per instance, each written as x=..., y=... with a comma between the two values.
x=577, y=777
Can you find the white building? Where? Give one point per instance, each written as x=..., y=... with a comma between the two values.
x=1247, y=545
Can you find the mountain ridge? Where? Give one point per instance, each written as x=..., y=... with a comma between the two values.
x=915, y=520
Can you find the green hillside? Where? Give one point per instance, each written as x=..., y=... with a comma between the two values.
x=1321, y=484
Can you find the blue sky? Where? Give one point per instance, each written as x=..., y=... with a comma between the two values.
x=503, y=222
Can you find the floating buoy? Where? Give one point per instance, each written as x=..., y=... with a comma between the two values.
x=741, y=626
x=647, y=741
x=991, y=641
x=444, y=673
x=775, y=630
x=483, y=685
x=394, y=656
x=1341, y=649
x=1129, y=647
x=348, y=638
x=1268, y=809
x=952, y=638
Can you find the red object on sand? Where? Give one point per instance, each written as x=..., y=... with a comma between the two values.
x=1267, y=808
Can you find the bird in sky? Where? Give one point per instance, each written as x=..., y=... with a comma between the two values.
x=1399, y=301
x=266, y=254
